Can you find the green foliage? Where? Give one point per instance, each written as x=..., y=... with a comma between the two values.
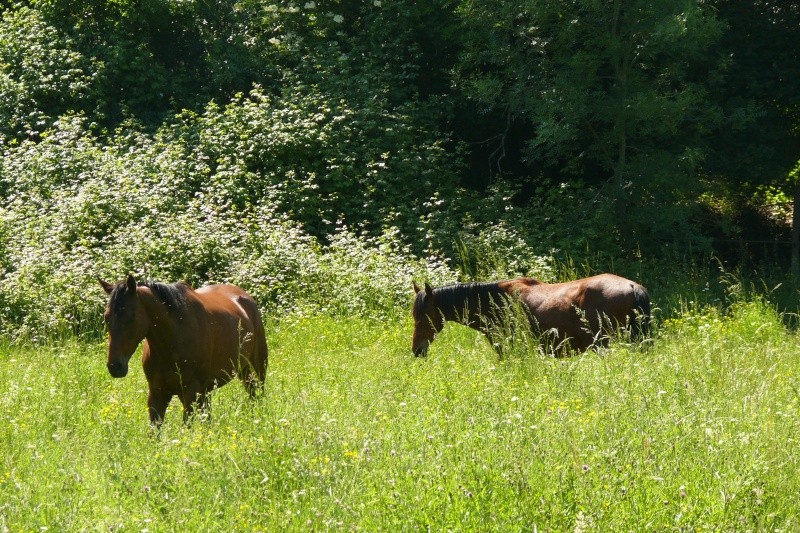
x=42, y=75
x=272, y=143
x=758, y=94
x=694, y=432
x=611, y=93
x=504, y=234
x=322, y=161
x=153, y=57
x=184, y=204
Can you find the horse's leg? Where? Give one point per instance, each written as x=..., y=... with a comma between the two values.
x=193, y=397
x=157, y=402
x=202, y=403
x=260, y=365
x=250, y=384
x=492, y=337
x=260, y=358
x=253, y=379
x=253, y=349
x=254, y=371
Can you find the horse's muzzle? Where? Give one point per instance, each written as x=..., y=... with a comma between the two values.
x=117, y=369
x=422, y=351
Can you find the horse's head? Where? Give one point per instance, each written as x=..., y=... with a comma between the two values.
x=127, y=322
x=428, y=320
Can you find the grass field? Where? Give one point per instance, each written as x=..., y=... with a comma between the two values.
x=698, y=431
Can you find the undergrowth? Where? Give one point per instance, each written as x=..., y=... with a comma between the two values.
x=695, y=430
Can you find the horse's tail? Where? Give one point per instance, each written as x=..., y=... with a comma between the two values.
x=641, y=309
x=260, y=360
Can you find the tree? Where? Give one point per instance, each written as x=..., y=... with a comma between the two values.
x=762, y=145
x=618, y=88
x=42, y=75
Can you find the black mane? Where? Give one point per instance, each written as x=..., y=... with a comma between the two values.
x=172, y=295
x=456, y=298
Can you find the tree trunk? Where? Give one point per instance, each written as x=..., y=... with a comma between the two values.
x=796, y=233
x=620, y=65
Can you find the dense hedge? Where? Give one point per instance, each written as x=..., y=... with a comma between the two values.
x=321, y=153
x=252, y=193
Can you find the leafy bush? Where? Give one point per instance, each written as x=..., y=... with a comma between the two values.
x=166, y=208
x=327, y=186
x=322, y=160
x=42, y=74
x=505, y=233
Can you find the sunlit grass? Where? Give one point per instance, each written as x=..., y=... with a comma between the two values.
x=698, y=431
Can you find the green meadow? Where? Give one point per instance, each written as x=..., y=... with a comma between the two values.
x=324, y=155
x=696, y=430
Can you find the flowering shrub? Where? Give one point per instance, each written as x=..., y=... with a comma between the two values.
x=41, y=74
x=75, y=210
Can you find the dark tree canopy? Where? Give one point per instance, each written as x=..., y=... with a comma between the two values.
x=485, y=132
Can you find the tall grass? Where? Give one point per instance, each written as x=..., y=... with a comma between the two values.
x=696, y=431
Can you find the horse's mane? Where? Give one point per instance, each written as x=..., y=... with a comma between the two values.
x=172, y=295
x=457, y=295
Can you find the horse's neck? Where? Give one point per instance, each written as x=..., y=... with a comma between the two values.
x=468, y=303
x=161, y=333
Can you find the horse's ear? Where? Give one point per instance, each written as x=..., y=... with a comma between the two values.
x=416, y=287
x=131, y=283
x=106, y=286
x=428, y=289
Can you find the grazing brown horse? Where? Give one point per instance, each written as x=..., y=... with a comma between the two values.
x=576, y=314
x=195, y=340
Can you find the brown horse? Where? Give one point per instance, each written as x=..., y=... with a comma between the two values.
x=195, y=340
x=576, y=314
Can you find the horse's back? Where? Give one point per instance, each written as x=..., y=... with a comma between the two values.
x=224, y=298
x=606, y=294
x=235, y=321
x=609, y=293
x=223, y=290
x=536, y=293
x=611, y=281
x=606, y=285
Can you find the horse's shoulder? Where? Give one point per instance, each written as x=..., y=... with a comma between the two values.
x=528, y=289
x=527, y=282
x=183, y=286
